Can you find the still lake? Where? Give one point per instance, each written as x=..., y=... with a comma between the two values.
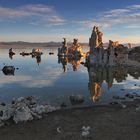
x=53, y=80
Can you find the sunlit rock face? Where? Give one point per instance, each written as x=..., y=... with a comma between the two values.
x=75, y=50
x=96, y=47
x=114, y=54
x=63, y=51
x=36, y=52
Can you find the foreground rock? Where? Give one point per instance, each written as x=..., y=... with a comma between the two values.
x=23, y=109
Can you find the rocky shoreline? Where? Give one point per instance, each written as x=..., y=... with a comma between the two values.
x=101, y=122
x=23, y=109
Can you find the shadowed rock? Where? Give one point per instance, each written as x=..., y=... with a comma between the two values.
x=8, y=70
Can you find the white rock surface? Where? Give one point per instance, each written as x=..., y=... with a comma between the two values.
x=24, y=109
x=85, y=131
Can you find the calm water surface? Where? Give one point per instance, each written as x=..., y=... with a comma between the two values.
x=53, y=80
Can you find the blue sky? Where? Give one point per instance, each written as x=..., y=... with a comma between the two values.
x=51, y=20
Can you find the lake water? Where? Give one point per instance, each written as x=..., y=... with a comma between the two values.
x=53, y=80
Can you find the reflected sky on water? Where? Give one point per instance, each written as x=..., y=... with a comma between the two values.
x=53, y=80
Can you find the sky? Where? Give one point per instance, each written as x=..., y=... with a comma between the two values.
x=51, y=20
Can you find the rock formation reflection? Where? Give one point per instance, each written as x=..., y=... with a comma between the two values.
x=75, y=62
x=10, y=56
x=98, y=75
x=64, y=62
x=11, y=53
x=38, y=59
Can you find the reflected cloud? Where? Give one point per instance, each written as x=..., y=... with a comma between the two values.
x=75, y=62
x=15, y=79
x=38, y=83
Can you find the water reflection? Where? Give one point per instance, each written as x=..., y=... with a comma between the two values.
x=98, y=84
x=98, y=75
x=11, y=56
x=33, y=55
x=75, y=62
x=38, y=59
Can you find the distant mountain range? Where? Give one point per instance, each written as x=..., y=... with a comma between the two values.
x=48, y=44
x=45, y=44
x=40, y=44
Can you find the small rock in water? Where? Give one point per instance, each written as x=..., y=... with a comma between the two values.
x=3, y=104
x=8, y=70
x=122, y=89
x=136, y=95
x=76, y=99
x=114, y=103
x=129, y=95
x=118, y=97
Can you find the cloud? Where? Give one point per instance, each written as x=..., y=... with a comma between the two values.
x=134, y=7
x=133, y=26
x=116, y=12
x=17, y=79
x=39, y=13
x=126, y=16
x=55, y=20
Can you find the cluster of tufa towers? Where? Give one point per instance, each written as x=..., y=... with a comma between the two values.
x=114, y=54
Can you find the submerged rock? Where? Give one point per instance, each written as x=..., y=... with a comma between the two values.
x=129, y=95
x=76, y=99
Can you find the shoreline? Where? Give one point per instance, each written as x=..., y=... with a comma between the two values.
x=109, y=122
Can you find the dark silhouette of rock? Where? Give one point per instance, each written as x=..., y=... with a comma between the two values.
x=8, y=70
